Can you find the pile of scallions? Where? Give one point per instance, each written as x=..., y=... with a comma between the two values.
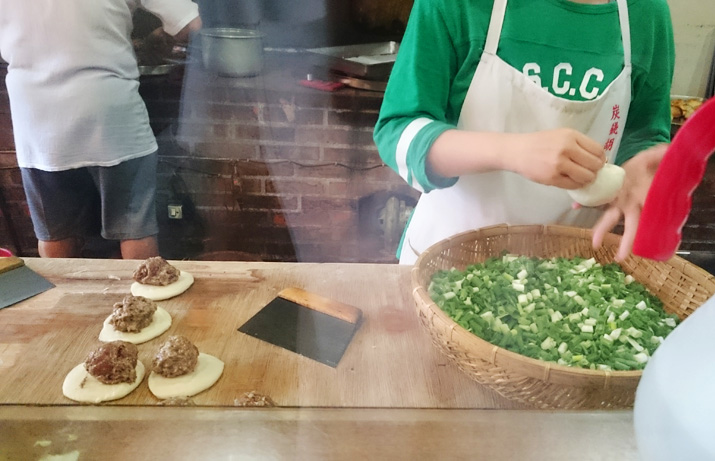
x=572, y=311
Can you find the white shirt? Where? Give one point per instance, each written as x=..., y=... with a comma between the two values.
x=73, y=79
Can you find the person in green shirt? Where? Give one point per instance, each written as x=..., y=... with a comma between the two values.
x=493, y=108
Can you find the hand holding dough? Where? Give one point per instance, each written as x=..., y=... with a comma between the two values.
x=603, y=190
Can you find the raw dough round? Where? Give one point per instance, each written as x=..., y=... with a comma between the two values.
x=158, y=293
x=159, y=324
x=603, y=190
x=208, y=370
x=80, y=386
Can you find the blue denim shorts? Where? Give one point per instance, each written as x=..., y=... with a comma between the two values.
x=118, y=202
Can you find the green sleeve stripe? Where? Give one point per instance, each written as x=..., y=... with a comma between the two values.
x=403, y=145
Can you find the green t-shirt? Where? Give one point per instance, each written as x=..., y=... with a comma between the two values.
x=565, y=61
x=571, y=49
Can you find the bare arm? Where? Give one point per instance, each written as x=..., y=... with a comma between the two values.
x=564, y=158
x=194, y=26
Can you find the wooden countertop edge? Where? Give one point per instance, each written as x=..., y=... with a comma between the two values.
x=106, y=413
x=315, y=433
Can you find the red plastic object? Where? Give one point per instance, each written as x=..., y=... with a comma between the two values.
x=669, y=198
x=5, y=253
x=322, y=85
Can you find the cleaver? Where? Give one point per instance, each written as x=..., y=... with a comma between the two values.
x=18, y=282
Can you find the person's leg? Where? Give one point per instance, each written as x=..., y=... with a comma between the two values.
x=66, y=248
x=140, y=248
x=128, y=193
x=61, y=206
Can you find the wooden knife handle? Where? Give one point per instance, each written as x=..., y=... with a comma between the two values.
x=8, y=264
x=318, y=303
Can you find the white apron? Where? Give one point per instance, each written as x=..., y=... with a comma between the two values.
x=502, y=99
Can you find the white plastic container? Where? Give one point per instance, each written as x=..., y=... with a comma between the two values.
x=232, y=52
x=674, y=411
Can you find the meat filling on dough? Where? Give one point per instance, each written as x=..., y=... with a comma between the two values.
x=156, y=271
x=113, y=363
x=133, y=314
x=176, y=357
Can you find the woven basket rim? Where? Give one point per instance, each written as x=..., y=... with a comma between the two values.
x=540, y=369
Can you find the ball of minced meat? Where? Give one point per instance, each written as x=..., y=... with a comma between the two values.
x=133, y=314
x=156, y=271
x=113, y=363
x=176, y=357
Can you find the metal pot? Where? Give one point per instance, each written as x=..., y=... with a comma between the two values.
x=232, y=52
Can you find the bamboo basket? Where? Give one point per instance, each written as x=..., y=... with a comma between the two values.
x=681, y=285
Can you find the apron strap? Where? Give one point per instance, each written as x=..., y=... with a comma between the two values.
x=495, y=26
x=625, y=31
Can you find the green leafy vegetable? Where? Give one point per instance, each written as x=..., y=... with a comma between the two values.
x=572, y=311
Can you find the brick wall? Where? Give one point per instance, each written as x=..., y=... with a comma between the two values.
x=274, y=170
x=266, y=169
x=283, y=174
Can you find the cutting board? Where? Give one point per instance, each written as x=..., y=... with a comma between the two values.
x=390, y=363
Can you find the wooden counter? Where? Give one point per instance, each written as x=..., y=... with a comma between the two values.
x=392, y=392
x=147, y=433
x=390, y=362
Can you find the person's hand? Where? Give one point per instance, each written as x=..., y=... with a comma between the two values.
x=640, y=171
x=563, y=158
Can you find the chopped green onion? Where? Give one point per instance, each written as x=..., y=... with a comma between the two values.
x=575, y=311
x=548, y=343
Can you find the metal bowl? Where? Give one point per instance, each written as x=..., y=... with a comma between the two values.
x=232, y=52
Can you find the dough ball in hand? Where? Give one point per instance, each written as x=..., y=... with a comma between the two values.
x=603, y=190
